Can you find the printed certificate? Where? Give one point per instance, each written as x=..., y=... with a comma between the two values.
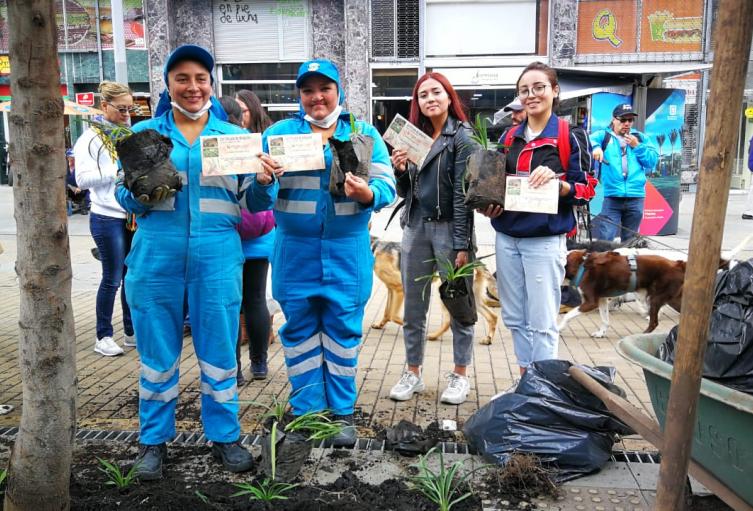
x=223, y=155
x=297, y=152
x=521, y=197
x=403, y=135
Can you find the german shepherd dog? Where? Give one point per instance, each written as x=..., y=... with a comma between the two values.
x=387, y=269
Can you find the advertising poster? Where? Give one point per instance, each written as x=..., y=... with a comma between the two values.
x=672, y=25
x=607, y=26
x=80, y=18
x=665, y=116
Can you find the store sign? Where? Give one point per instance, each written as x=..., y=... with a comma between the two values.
x=612, y=26
x=85, y=98
x=4, y=65
x=481, y=75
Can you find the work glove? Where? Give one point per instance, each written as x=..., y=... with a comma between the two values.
x=157, y=195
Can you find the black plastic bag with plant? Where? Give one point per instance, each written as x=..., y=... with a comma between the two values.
x=456, y=290
x=485, y=177
x=352, y=155
x=144, y=156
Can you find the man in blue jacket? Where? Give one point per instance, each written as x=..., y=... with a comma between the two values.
x=625, y=155
x=187, y=247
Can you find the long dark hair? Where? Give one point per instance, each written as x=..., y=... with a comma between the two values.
x=456, y=105
x=259, y=118
x=232, y=109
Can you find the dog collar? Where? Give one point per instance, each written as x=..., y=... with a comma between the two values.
x=579, y=275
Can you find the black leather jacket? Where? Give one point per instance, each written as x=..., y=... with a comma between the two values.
x=439, y=195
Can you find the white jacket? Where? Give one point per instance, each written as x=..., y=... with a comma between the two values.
x=96, y=171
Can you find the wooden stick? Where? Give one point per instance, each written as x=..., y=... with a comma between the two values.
x=649, y=429
x=732, y=37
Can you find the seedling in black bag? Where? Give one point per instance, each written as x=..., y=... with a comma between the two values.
x=484, y=171
x=456, y=292
x=352, y=155
x=145, y=158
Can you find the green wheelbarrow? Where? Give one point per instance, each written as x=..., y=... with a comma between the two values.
x=723, y=437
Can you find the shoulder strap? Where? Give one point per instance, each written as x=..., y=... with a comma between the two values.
x=510, y=134
x=563, y=142
x=605, y=140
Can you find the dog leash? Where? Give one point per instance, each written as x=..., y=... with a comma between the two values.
x=638, y=236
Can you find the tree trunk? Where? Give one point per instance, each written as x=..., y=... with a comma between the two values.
x=40, y=464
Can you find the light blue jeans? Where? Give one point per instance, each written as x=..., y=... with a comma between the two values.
x=529, y=274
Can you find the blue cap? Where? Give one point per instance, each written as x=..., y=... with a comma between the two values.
x=190, y=52
x=624, y=109
x=318, y=67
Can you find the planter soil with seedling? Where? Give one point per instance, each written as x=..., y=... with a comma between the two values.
x=484, y=172
x=456, y=290
x=352, y=155
x=145, y=158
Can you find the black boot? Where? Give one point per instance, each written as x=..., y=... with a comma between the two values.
x=348, y=436
x=233, y=455
x=149, y=462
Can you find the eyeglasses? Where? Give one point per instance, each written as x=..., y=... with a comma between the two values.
x=623, y=120
x=536, y=91
x=123, y=110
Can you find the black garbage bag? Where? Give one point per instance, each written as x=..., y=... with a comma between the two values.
x=485, y=175
x=408, y=439
x=457, y=297
x=352, y=155
x=145, y=158
x=729, y=353
x=292, y=451
x=552, y=416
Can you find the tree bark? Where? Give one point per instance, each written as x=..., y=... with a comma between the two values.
x=732, y=36
x=39, y=472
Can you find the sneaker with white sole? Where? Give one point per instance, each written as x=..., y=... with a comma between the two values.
x=409, y=384
x=108, y=347
x=129, y=340
x=457, y=389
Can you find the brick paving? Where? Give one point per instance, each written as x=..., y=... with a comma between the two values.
x=108, y=386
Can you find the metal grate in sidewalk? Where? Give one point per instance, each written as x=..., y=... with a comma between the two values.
x=363, y=444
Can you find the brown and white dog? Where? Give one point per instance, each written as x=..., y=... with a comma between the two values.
x=387, y=269
x=605, y=275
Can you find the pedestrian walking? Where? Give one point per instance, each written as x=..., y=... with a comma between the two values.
x=437, y=227
x=96, y=171
x=624, y=154
x=748, y=213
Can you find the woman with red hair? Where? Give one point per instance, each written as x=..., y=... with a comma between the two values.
x=436, y=227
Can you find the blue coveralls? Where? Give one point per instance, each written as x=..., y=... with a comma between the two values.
x=186, y=246
x=322, y=270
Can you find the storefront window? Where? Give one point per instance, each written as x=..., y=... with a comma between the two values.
x=486, y=102
x=273, y=82
x=262, y=71
x=391, y=91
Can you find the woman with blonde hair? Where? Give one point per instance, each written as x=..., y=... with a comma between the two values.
x=96, y=171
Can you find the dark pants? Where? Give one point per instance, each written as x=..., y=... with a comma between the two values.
x=255, y=311
x=619, y=215
x=113, y=241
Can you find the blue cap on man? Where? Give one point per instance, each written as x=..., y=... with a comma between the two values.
x=622, y=110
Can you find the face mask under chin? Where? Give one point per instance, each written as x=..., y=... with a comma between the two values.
x=193, y=115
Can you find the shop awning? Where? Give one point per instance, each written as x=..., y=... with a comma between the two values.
x=653, y=68
x=577, y=86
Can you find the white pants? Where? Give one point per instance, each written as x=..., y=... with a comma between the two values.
x=749, y=202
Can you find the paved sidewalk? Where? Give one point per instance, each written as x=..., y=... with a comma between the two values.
x=108, y=387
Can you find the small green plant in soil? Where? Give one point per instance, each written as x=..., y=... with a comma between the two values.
x=267, y=490
x=116, y=476
x=3, y=477
x=480, y=134
x=447, y=267
x=444, y=486
x=317, y=425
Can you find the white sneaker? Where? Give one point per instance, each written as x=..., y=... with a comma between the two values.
x=129, y=340
x=457, y=389
x=409, y=384
x=108, y=347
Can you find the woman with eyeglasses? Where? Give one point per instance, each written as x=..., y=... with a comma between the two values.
x=530, y=247
x=96, y=171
